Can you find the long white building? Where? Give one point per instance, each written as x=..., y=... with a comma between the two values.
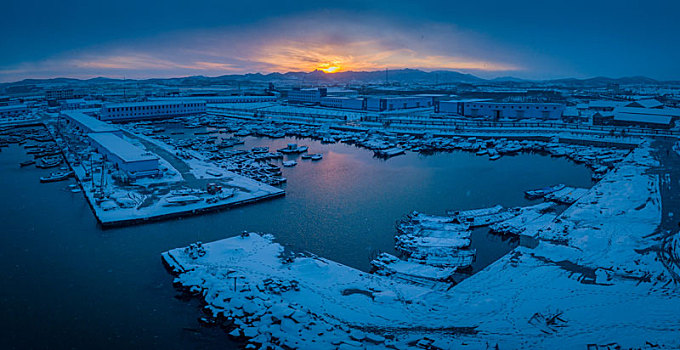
x=151, y=109
x=379, y=104
x=224, y=99
x=88, y=124
x=498, y=110
x=135, y=161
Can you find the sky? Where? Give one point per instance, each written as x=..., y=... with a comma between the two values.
x=172, y=38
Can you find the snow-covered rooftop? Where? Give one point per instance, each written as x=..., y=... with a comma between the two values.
x=92, y=124
x=121, y=148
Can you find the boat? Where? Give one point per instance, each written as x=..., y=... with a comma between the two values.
x=316, y=156
x=182, y=200
x=390, y=152
x=306, y=156
x=539, y=193
x=482, y=152
x=49, y=162
x=258, y=150
x=56, y=176
x=27, y=162
x=293, y=148
x=289, y=163
x=493, y=154
x=389, y=265
x=460, y=258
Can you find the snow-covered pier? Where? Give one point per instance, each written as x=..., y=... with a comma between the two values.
x=594, y=279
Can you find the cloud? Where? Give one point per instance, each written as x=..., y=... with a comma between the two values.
x=299, y=43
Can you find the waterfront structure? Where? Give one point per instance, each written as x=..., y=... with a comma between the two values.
x=88, y=124
x=298, y=95
x=12, y=111
x=127, y=157
x=379, y=104
x=151, y=109
x=498, y=110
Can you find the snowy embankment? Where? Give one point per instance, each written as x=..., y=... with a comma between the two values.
x=589, y=281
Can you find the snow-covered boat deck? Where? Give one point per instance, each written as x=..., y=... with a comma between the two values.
x=591, y=280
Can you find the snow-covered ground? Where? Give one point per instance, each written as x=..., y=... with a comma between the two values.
x=590, y=281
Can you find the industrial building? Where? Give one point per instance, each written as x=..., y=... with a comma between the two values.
x=502, y=110
x=343, y=102
x=133, y=160
x=88, y=124
x=12, y=111
x=298, y=95
x=151, y=110
x=225, y=99
x=380, y=104
x=59, y=94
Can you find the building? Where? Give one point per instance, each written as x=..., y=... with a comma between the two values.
x=642, y=120
x=380, y=104
x=343, y=102
x=297, y=95
x=59, y=94
x=151, y=109
x=88, y=124
x=133, y=160
x=225, y=99
x=12, y=111
x=79, y=103
x=502, y=110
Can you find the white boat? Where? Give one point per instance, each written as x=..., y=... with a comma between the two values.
x=58, y=176
x=390, y=152
x=533, y=194
x=419, y=274
x=293, y=148
x=182, y=200
x=289, y=163
x=316, y=156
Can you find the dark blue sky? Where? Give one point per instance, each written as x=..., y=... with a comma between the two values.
x=531, y=39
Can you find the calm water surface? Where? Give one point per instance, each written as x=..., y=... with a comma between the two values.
x=69, y=284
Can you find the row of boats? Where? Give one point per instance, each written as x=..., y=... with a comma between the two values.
x=434, y=248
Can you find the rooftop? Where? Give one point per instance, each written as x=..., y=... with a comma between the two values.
x=91, y=123
x=122, y=148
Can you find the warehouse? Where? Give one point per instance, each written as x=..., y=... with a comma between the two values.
x=89, y=124
x=297, y=95
x=501, y=110
x=343, y=102
x=224, y=99
x=133, y=160
x=151, y=110
x=379, y=104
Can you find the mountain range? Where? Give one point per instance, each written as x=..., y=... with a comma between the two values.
x=359, y=77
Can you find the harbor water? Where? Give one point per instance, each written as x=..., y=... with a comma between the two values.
x=69, y=284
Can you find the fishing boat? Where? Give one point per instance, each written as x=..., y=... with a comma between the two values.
x=258, y=150
x=182, y=200
x=56, y=176
x=460, y=258
x=293, y=148
x=316, y=156
x=390, y=152
x=306, y=156
x=493, y=154
x=27, y=162
x=389, y=265
x=49, y=162
x=289, y=163
x=539, y=193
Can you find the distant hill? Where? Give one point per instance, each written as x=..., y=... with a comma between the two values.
x=356, y=77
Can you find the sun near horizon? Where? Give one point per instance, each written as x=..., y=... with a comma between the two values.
x=332, y=67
